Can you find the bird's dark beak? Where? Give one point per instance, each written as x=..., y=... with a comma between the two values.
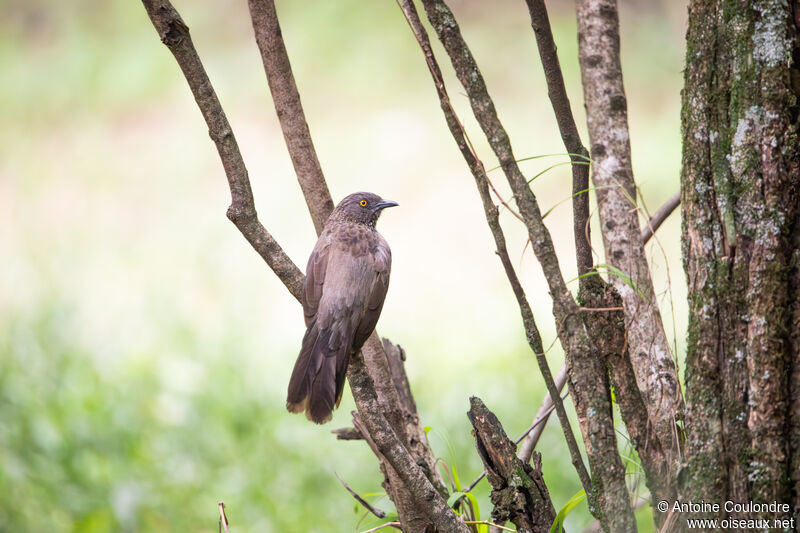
x=383, y=204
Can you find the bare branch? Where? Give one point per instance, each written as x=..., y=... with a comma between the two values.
x=589, y=379
x=175, y=34
x=290, y=111
x=569, y=133
x=377, y=512
x=382, y=526
x=223, y=518
x=606, y=105
x=540, y=420
x=660, y=216
x=242, y=212
x=347, y=434
x=492, y=219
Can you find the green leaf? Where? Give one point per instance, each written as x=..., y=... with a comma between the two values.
x=451, y=501
x=568, y=198
x=624, y=277
x=551, y=167
x=456, y=496
x=548, y=155
x=558, y=523
x=456, y=481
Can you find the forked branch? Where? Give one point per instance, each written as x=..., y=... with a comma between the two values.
x=492, y=218
x=242, y=212
x=290, y=111
x=175, y=35
x=609, y=498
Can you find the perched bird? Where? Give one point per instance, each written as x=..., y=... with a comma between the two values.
x=346, y=281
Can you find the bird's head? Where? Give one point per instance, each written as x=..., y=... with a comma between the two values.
x=361, y=208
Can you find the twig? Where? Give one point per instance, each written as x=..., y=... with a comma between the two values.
x=290, y=111
x=660, y=216
x=487, y=523
x=539, y=422
x=387, y=524
x=359, y=499
x=490, y=210
x=347, y=434
x=223, y=518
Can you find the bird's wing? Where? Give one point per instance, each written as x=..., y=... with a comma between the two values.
x=376, y=295
x=315, y=277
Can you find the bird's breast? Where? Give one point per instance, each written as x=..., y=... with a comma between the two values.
x=356, y=240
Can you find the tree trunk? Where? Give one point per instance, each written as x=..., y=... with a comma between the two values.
x=739, y=189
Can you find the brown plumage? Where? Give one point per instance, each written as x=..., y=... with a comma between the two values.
x=346, y=281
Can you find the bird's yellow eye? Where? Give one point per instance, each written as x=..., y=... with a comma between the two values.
x=363, y=203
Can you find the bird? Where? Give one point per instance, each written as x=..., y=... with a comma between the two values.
x=347, y=277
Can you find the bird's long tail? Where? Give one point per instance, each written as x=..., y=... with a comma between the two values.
x=318, y=377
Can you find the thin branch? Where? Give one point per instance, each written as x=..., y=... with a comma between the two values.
x=242, y=212
x=469, y=75
x=487, y=523
x=377, y=512
x=540, y=22
x=223, y=518
x=539, y=422
x=660, y=216
x=588, y=376
x=612, y=173
x=347, y=434
x=491, y=213
x=290, y=111
x=382, y=526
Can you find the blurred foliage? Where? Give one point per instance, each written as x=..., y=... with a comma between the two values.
x=144, y=348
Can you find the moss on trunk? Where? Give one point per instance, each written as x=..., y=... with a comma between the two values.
x=741, y=169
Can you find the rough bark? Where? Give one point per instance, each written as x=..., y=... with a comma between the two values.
x=608, y=499
x=740, y=200
x=519, y=493
x=606, y=107
x=290, y=111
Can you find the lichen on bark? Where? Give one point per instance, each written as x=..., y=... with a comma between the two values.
x=740, y=208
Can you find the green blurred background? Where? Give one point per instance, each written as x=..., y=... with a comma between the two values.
x=145, y=347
